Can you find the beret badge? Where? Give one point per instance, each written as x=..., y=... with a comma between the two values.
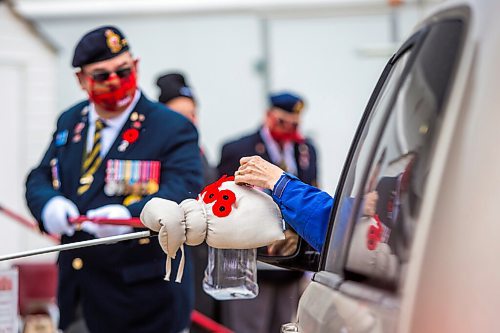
x=297, y=108
x=114, y=42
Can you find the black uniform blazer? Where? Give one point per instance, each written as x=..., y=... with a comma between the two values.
x=121, y=286
x=305, y=156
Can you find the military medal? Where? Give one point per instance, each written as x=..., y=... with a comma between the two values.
x=56, y=183
x=132, y=178
x=110, y=188
x=123, y=146
x=153, y=184
x=131, y=134
x=152, y=187
x=79, y=127
x=260, y=148
x=304, y=157
x=77, y=131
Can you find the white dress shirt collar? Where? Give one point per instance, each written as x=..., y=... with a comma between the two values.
x=113, y=125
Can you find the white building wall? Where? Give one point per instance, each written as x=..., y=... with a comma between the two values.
x=27, y=95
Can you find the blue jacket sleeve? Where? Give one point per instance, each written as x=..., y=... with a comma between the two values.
x=304, y=207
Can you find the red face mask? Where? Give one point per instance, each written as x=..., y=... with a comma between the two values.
x=282, y=137
x=117, y=99
x=288, y=136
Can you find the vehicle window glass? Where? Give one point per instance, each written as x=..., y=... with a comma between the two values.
x=393, y=181
x=374, y=122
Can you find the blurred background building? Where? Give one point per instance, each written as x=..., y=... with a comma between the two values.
x=233, y=51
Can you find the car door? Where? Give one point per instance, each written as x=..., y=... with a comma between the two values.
x=379, y=197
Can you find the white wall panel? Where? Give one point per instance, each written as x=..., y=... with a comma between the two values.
x=321, y=59
x=27, y=92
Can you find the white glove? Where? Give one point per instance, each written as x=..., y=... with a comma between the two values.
x=107, y=230
x=168, y=219
x=55, y=216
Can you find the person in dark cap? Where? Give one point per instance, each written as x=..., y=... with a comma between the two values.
x=176, y=94
x=109, y=155
x=280, y=142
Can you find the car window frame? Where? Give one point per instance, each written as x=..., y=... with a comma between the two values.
x=412, y=44
x=336, y=274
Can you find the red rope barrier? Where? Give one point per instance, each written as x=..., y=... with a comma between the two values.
x=132, y=222
x=27, y=223
x=207, y=323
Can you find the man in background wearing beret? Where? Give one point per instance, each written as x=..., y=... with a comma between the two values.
x=109, y=155
x=176, y=94
x=279, y=142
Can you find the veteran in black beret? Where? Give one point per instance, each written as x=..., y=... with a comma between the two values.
x=109, y=155
x=279, y=141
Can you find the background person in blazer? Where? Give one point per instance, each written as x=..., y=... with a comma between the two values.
x=176, y=94
x=279, y=142
x=108, y=156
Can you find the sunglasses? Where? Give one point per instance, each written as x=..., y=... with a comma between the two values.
x=282, y=122
x=122, y=73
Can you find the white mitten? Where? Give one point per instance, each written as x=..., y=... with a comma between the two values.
x=196, y=221
x=55, y=216
x=167, y=218
x=106, y=230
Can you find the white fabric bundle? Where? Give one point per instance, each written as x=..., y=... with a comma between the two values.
x=226, y=215
x=255, y=220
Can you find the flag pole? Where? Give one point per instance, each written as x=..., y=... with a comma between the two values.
x=76, y=245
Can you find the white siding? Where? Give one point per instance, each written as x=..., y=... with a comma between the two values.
x=27, y=111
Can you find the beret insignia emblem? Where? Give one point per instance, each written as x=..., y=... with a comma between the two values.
x=114, y=42
x=298, y=107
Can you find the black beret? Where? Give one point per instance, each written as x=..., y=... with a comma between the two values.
x=99, y=44
x=287, y=102
x=173, y=85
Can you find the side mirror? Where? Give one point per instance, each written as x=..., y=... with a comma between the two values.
x=304, y=258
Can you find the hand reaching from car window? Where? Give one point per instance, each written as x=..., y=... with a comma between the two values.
x=256, y=171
